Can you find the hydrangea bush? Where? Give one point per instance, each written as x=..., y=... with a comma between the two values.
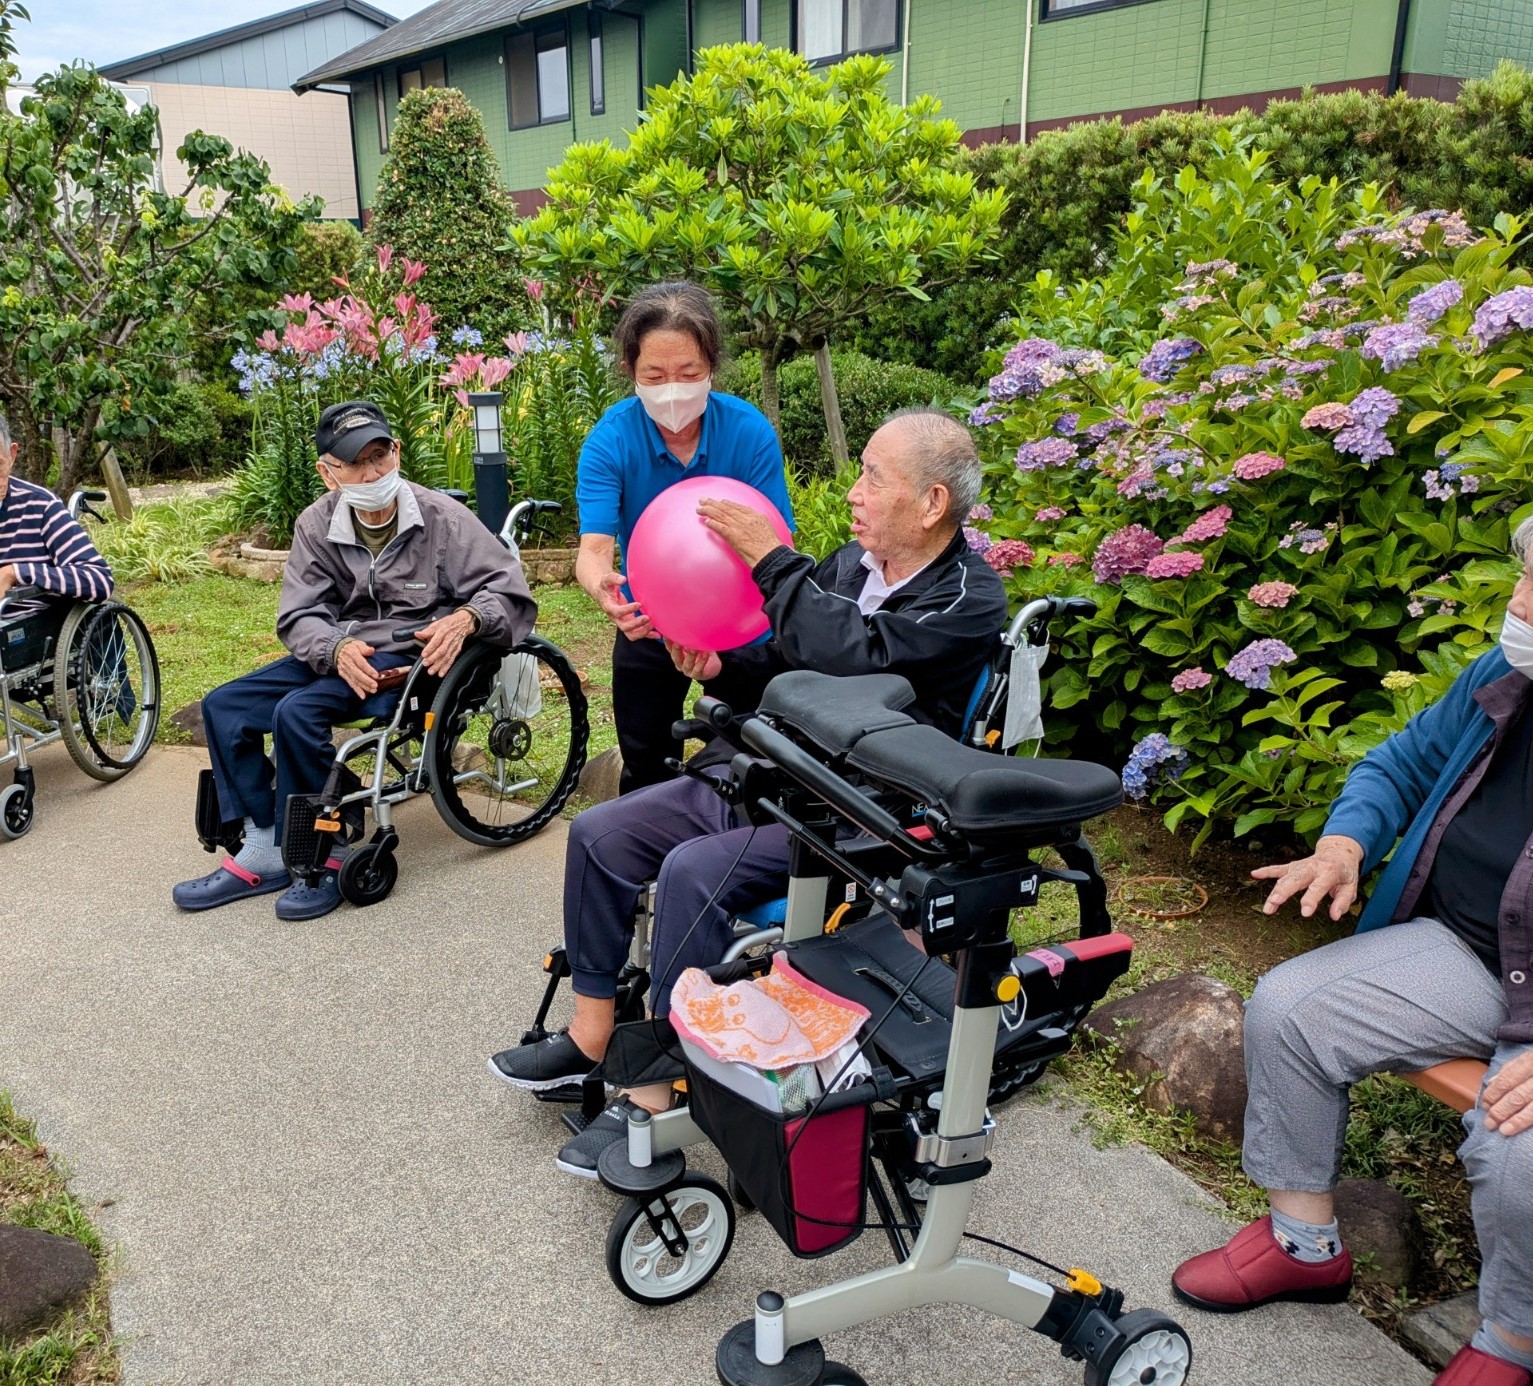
x=1281, y=441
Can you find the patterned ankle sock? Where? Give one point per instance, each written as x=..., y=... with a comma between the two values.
x=1310, y=1242
x=1487, y=1340
x=260, y=854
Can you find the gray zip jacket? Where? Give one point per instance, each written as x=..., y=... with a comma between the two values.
x=441, y=559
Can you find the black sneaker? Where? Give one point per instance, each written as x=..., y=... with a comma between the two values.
x=578, y=1156
x=555, y=1062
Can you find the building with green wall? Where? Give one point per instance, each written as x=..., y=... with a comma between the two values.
x=546, y=73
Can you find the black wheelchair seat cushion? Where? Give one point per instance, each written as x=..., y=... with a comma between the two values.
x=872, y=962
x=836, y=713
x=984, y=796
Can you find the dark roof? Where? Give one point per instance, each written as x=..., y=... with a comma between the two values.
x=438, y=24
x=135, y=67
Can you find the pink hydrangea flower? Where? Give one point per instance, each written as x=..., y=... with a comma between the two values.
x=1065, y=560
x=1007, y=554
x=1328, y=417
x=1190, y=679
x=1273, y=594
x=1209, y=525
x=1123, y=552
x=1050, y=512
x=1173, y=565
x=1255, y=465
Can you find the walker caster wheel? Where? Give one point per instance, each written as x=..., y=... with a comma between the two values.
x=1156, y=1352
x=737, y=1192
x=669, y=1247
x=839, y=1374
x=16, y=808
x=368, y=875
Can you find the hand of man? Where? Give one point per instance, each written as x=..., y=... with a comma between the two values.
x=443, y=639
x=1508, y=1097
x=1333, y=870
x=748, y=532
x=7, y=578
x=626, y=616
x=351, y=664
x=700, y=665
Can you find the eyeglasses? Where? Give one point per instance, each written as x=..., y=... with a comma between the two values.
x=380, y=461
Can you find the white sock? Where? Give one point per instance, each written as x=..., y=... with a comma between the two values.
x=260, y=855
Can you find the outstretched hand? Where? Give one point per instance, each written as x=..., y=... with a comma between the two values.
x=699, y=665
x=746, y=530
x=1333, y=870
x=626, y=616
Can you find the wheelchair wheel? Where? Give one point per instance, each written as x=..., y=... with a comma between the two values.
x=1157, y=1350
x=17, y=811
x=640, y=1263
x=106, y=685
x=367, y=875
x=507, y=741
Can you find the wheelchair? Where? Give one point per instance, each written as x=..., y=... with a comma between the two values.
x=982, y=727
x=84, y=673
x=498, y=743
x=947, y=844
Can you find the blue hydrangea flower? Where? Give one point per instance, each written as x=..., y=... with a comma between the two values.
x=1156, y=760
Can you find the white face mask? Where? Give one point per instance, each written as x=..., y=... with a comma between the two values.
x=371, y=495
x=1517, y=644
x=675, y=406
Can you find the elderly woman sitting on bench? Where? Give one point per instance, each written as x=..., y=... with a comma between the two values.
x=1449, y=978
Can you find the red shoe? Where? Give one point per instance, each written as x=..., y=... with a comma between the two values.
x=1471, y=1367
x=1251, y=1269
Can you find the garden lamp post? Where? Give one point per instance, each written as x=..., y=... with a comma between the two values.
x=491, y=492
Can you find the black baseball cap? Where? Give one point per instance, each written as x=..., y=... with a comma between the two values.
x=348, y=427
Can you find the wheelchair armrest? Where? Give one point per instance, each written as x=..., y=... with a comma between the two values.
x=21, y=594
x=409, y=632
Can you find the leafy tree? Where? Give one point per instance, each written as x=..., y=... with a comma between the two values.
x=102, y=276
x=440, y=201
x=801, y=199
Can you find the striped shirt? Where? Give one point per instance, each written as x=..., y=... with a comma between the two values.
x=48, y=549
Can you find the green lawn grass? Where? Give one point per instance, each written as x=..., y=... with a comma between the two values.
x=75, y=1347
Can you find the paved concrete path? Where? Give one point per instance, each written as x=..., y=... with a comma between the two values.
x=313, y=1179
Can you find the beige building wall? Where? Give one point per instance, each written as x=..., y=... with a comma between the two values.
x=305, y=139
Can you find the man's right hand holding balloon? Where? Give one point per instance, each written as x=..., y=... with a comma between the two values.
x=698, y=665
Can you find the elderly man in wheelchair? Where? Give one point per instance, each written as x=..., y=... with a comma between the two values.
x=374, y=554
x=905, y=596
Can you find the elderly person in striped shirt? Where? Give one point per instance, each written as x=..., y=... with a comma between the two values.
x=40, y=545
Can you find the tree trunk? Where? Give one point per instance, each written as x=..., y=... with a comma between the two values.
x=117, y=485
x=835, y=430
x=771, y=404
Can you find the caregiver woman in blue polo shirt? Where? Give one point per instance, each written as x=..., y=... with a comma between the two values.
x=675, y=425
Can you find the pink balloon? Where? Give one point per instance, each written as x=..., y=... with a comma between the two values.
x=693, y=587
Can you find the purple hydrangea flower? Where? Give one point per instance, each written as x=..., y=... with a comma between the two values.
x=977, y=540
x=1253, y=665
x=1123, y=552
x=1190, y=679
x=1154, y=761
x=1430, y=304
x=1066, y=424
x=1046, y=452
x=1395, y=343
x=1024, y=372
x=1165, y=358
x=985, y=414
x=1498, y=315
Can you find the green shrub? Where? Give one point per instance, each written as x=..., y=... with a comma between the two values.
x=1265, y=573
x=822, y=515
x=869, y=391
x=270, y=491
x=198, y=427
x=440, y=201
x=164, y=542
x=327, y=251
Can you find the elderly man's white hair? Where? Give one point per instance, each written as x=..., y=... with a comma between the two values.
x=1522, y=541
x=944, y=453
x=5, y=432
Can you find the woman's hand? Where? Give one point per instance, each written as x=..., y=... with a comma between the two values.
x=626, y=616
x=700, y=665
x=1333, y=870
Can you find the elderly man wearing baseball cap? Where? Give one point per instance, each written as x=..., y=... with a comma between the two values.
x=375, y=553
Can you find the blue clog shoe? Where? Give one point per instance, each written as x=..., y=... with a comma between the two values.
x=303, y=901
x=229, y=882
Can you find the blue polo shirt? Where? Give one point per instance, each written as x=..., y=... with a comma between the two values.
x=625, y=464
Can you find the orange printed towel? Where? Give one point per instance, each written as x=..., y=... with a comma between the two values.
x=770, y=1022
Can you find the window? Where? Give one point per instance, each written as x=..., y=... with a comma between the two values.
x=382, y=103
x=432, y=72
x=1053, y=9
x=598, y=75
x=538, y=77
x=831, y=29
x=750, y=21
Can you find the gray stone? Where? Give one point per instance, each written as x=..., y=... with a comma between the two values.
x=39, y=1272
x=1440, y=1330
x=599, y=780
x=189, y=720
x=1382, y=1231
x=1182, y=1038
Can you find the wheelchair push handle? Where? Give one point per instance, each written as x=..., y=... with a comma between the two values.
x=1032, y=622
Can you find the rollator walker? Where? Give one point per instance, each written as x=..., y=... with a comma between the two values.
x=945, y=845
